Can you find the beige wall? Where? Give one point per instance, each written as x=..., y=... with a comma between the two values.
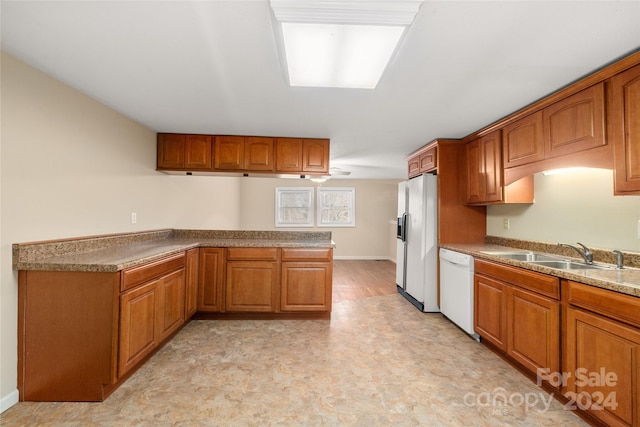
x=72, y=167
x=571, y=207
x=376, y=205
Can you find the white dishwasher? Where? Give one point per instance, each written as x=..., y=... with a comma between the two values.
x=456, y=289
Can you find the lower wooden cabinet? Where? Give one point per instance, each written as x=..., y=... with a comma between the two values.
x=149, y=314
x=533, y=330
x=603, y=367
x=490, y=311
x=172, y=288
x=602, y=353
x=307, y=277
x=192, y=272
x=251, y=286
x=518, y=311
x=210, y=280
x=140, y=314
x=82, y=333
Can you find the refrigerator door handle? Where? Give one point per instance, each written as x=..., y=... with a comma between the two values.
x=404, y=227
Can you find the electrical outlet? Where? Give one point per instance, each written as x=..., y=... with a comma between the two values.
x=639, y=229
x=505, y=223
x=134, y=218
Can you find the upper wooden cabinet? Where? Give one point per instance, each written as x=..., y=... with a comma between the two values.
x=624, y=129
x=484, y=174
x=413, y=166
x=523, y=141
x=176, y=151
x=423, y=162
x=229, y=153
x=315, y=156
x=242, y=154
x=575, y=123
x=571, y=125
x=288, y=155
x=258, y=154
x=484, y=169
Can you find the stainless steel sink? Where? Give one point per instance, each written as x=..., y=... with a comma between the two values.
x=523, y=256
x=545, y=260
x=570, y=265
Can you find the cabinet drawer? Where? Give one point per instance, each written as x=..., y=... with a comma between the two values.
x=536, y=282
x=306, y=254
x=138, y=275
x=261, y=254
x=625, y=308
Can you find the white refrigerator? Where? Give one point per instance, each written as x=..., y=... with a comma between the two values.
x=417, y=247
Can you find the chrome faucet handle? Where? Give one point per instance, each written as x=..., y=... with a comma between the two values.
x=588, y=256
x=619, y=258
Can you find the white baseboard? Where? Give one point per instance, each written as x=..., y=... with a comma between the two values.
x=364, y=258
x=9, y=400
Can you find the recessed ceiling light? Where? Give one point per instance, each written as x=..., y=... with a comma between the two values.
x=337, y=55
x=343, y=44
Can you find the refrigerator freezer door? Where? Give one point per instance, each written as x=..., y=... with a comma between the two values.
x=415, y=239
x=401, y=250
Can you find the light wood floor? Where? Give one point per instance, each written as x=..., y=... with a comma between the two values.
x=354, y=280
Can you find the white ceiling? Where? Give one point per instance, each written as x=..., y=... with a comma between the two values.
x=213, y=67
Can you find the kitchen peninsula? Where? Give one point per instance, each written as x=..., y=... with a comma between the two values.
x=93, y=309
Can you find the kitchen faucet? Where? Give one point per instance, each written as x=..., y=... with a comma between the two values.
x=586, y=254
x=619, y=258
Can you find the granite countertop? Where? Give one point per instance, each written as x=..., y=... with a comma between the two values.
x=626, y=281
x=112, y=253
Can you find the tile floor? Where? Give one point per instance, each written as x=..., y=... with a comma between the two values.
x=377, y=362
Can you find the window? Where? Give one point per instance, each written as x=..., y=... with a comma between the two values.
x=294, y=206
x=336, y=207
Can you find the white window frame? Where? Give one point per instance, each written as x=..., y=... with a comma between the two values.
x=293, y=191
x=350, y=193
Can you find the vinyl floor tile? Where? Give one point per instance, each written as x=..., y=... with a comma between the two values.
x=377, y=362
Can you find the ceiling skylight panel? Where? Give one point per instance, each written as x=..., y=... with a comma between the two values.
x=342, y=44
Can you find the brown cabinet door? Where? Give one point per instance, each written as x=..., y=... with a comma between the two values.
x=252, y=286
x=474, y=172
x=484, y=170
x=428, y=160
x=491, y=148
x=210, y=283
x=315, y=155
x=413, y=166
x=288, y=155
x=258, y=154
x=139, y=324
x=229, y=153
x=170, y=151
x=306, y=286
x=533, y=330
x=172, y=313
x=576, y=123
x=603, y=363
x=523, y=141
x=191, y=286
x=624, y=129
x=197, y=153
x=490, y=311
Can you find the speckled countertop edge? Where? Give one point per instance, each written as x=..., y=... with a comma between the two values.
x=626, y=281
x=93, y=254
